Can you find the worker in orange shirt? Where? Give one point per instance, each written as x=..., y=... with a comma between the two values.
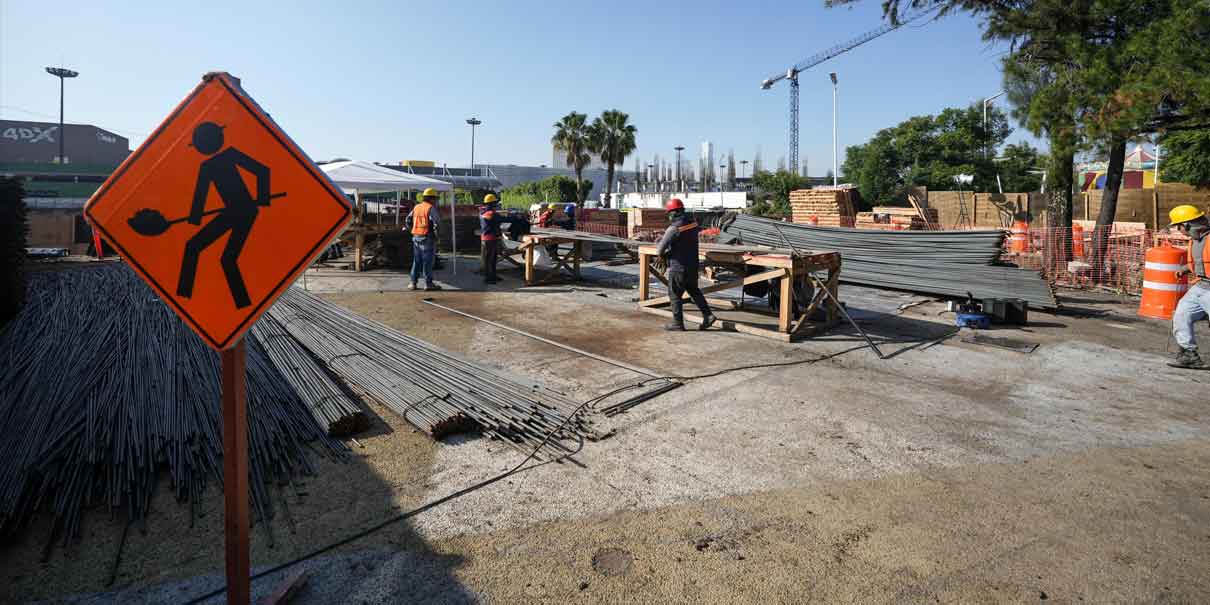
x=422, y=223
x=1195, y=304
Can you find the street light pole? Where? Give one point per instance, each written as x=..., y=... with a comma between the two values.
x=680, y=183
x=62, y=73
x=473, y=122
x=987, y=102
x=835, y=155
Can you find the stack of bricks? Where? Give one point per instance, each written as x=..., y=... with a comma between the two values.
x=890, y=218
x=606, y=221
x=641, y=222
x=824, y=207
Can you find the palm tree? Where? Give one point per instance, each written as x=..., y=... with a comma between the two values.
x=613, y=138
x=572, y=137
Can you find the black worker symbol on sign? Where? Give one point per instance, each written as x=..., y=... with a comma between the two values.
x=236, y=216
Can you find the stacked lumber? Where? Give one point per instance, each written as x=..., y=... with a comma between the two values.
x=825, y=207
x=891, y=218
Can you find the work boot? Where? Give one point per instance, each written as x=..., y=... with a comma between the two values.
x=1189, y=359
x=492, y=280
x=675, y=326
x=431, y=287
x=707, y=321
x=412, y=286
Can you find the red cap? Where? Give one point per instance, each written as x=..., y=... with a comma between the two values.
x=674, y=204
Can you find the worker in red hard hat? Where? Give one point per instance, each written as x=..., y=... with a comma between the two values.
x=679, y=247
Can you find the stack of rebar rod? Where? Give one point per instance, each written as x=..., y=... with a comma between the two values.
x=103, y=388
x=946, y=263
x=431, y=388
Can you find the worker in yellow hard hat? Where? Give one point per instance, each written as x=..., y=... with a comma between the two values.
x=1195, y=304
x=490, y=220
x=422, y=223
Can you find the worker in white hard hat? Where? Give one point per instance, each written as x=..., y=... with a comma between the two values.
x=1195, y=304
x=422, y=223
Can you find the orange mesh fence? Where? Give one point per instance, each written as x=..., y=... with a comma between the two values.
x=1068, y=257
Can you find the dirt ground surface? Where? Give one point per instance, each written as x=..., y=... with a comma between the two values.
x=950, y=472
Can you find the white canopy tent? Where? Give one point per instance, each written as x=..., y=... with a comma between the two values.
x=357, y=177
x=363, y=177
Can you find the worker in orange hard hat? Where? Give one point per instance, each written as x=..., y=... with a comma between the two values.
x=679, y=246
x=1195, y=304
x=422, y=223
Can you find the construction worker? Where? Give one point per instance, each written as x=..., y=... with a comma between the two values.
x=489, y=236
x=422, y=223
x=1195, y=304
x=547, y=217
x=679, y=247
x=570, y=223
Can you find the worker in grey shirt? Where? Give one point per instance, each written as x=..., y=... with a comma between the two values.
x=422, y=223
x=1195, y=304
x=680, y=246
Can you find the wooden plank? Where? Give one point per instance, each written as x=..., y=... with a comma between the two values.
x=726, y=324
x=644, y=276
x=578, y=250
x=751, y=279
x=529, y=266
x=286, y=590
x=785, y=304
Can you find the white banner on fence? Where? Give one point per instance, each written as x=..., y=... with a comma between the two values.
x=714, y=199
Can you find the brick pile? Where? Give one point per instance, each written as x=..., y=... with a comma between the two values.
x=640, y=221
x=825, y=207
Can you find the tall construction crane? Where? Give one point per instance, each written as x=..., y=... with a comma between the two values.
x=844, y=47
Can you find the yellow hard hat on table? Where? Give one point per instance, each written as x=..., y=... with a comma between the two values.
x=551, y=206
x=1184, y=214
x=430, y=192
x=490, y=198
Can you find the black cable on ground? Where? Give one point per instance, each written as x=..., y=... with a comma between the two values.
x=520, y=467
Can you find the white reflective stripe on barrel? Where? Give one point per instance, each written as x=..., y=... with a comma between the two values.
x=1155, y=285
x=1163, y=266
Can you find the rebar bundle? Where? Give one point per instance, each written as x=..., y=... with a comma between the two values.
x=103, y=387
x=434, y=390
x=946, y=263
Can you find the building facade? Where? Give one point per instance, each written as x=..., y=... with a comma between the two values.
x=38, y=143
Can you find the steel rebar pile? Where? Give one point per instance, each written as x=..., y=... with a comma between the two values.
x=946, y=263
x=104, y=390
x=429, y=387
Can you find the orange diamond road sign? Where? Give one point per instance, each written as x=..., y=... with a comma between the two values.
x=219, y=210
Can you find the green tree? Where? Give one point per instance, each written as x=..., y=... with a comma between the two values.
x=1016, y=166
x=13, y=230
x=1113, y=70
x=612, y=138
x=572, y=137
x=1186, y=157
x=928, y=151
x=773, y=192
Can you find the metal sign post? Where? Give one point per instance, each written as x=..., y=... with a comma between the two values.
x=235, y=473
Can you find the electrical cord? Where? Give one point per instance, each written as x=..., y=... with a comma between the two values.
x=520, y=467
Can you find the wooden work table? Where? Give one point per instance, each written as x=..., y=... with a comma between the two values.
x=789, y=272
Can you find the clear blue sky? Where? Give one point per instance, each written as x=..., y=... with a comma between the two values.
x=388, y=81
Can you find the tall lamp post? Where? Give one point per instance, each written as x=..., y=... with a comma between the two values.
x=743, y=168
x=986, y=102
x=680, y=183
x=473, y=122
x=651, y=174
x=835, y=165
x=62, y=73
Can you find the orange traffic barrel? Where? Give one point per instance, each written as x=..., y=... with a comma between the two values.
x=1161, y=288
x=1077, y=241
x=1018, y=241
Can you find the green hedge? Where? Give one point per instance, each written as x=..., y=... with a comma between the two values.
x=13, y=230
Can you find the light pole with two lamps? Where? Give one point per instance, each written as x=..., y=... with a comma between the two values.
x=62, y=73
